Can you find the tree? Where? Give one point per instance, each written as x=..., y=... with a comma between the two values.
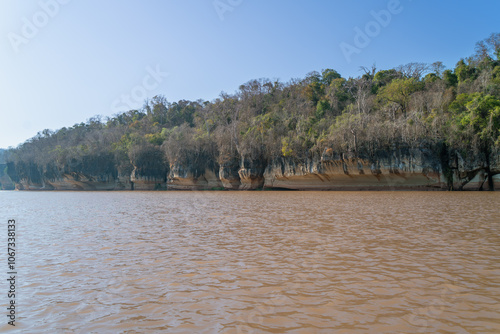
x=159, y=109
x=315, y=92
x=413, y=70
x=480, y=113
x=494, y=43
x=431, y=77
x=149, y=160
x=337, y=95
x=267, y=119
x=488, y=48
x=328, y=75
x=399, y=92
x=384, y=77
x=450, y=78
x=465, y=71
x=438, y=68
x=360, y=89
x=477, y=120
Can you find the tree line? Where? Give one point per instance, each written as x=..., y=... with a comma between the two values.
x=413, y=105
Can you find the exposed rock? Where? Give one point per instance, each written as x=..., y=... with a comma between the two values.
x=183, y=178
x=251, y=174
x=421, y=168
x=471, y=172
x=229, y=176
x=403, y=169
x=78, y=181
x=5, y=181
x=147, y=182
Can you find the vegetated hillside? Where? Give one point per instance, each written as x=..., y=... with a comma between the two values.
x=415, y=125
x=2, y=156
x=5, y=181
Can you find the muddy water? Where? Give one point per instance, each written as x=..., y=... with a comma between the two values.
x=255, y=262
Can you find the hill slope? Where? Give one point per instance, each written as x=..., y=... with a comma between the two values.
x=415, y=126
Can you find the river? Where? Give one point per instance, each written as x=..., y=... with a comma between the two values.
x=254, y=262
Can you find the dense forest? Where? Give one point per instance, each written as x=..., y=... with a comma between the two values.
x=425, y=106
x=5, y=182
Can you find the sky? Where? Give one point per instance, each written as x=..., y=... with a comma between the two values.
x=65, y=61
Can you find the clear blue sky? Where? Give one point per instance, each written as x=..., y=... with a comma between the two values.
x=86, y=55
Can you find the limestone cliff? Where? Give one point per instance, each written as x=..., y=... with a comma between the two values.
x=471, y=171
x=403, y=168
x=5, y=181
x=182, y=177
x=399, y=169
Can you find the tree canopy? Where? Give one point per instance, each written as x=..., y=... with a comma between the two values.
x=264, y=119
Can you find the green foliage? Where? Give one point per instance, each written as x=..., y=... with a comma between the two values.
x=458, y=106
x=450, y=78
x=480, y=114
x=315, y=91
x=322, y=108
x=328, y=75
x=155, y=138
x=465, y=72
x=385, y=77
x=128, y=140
x=431, y=77
x=267, y=119
x=286, y=150
x=399, y=91
x=495, y=75
x=338, y=95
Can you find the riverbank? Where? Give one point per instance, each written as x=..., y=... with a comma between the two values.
x=403, y=169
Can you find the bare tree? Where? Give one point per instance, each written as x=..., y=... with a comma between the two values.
x=369, y=71
x=488, y=47
x=413, y=70
x=438, y=68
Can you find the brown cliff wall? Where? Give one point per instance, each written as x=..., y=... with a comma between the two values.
x=398, y=169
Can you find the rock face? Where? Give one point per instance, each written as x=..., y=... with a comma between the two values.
x=142, y=181
x=5, y=181
x=184, y=178
x=229, y=176
x=470, y=172
x=422, y=168
x=402, y=169
x=76, y=181
x=251, y=174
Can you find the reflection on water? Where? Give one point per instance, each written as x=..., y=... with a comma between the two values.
x=253, y=262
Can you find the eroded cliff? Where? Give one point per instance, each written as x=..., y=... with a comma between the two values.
x=401, y=168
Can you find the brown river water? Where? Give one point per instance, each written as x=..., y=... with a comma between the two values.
x=254, y=262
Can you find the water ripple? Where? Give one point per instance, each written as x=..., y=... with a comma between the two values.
x=257, y=262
